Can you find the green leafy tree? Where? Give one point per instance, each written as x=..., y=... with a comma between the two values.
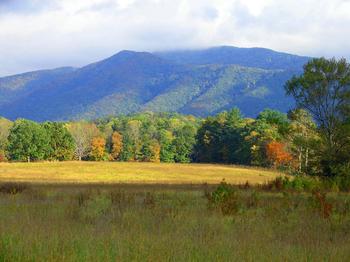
x=324, y=90
x=133, y=130
x=151, y=151
x=61, y=142
x=167, y=149
x=184, y=143
x=220, y=139
x=269, y=126
x=28, y=141
x=5, y=126
x=127, y=153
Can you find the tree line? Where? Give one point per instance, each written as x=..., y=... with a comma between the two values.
x=314, y=138
x=145, y=137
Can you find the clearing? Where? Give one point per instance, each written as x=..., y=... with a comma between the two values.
x=132, y=172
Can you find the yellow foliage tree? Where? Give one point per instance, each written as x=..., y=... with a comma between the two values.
x=98, y=145
x=155, y=152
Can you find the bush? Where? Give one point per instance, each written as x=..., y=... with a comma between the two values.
x=298, y=183
x=338, y=183
x=225, y=198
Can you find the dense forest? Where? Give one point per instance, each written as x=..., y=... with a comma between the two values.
x=312, y=139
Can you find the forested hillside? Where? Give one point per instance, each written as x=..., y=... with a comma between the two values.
x=194, y=82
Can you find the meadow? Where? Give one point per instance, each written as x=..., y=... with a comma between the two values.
x=69, y=218
x=131, y=172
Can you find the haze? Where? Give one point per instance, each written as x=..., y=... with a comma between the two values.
x=37, y=34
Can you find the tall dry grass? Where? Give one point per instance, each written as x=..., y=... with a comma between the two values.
x=168, y=223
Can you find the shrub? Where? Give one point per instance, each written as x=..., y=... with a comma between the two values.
x=225, y=198
x=277, y=184
x=298, y=183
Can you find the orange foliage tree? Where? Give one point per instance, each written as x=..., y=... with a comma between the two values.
x=277, y=154
x=98, y=145
x=117, y=145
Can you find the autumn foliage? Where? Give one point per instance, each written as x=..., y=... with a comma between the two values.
x=155, y=153
x=98, y=145
x=117, y=145
x=277, y=154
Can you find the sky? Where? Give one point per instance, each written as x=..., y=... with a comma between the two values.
x=41, y=34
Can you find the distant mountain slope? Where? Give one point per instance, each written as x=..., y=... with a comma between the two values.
x=249, y=57
x=13, y=87
x=130, y=81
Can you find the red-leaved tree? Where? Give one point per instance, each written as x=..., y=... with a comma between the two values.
x=277, y=155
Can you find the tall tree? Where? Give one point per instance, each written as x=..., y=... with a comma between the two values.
x=61, y=141
x=83, y=133
x=303, y=139
x=220, y=139
x=133, y=132
x=28, y=141
x=151, y=151
x=117, y=145
x=277, y=154
x=184, y=143
x=324, y=90
x=98, y=149
x=167, y=150
x=5, y=126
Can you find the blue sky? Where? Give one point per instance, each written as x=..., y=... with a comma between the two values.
x=37, y=34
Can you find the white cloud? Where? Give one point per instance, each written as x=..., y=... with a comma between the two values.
x=50, y=33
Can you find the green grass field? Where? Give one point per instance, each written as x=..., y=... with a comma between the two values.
x=156, y=223
x=86, y=211
x=131, y=172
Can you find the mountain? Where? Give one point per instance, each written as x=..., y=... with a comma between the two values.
x=228, y=55
x=199, y=82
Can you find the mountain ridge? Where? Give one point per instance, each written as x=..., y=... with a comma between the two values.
x=130, y=81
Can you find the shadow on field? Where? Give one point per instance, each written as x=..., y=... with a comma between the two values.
x=157, y=222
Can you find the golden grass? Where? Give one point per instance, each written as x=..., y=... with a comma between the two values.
x=126, y=172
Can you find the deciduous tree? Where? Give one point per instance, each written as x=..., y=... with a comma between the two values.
x=98, y=147
x=277, y=155
x=28, y=141
x=61, y=142
x=324, y=90
x=83, y=133
x=117, y=145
